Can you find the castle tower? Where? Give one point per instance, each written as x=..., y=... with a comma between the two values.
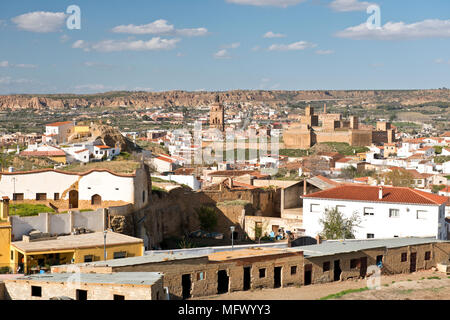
x=324, y=108
x=217, y=115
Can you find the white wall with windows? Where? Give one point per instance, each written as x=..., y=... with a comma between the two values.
x=379, y=219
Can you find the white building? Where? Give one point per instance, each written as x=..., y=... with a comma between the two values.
x=94, y=186
x=58, y=132
x=385, y=212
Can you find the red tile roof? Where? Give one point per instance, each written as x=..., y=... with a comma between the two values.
x=58, y=153
x=104, y=147
x=370, y=194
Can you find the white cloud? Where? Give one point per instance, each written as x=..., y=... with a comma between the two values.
x=6, y=64
x=349, y=5
x=90, y=87
x=262, y=3
x=160, y=27
x=138, y=45
x=431, y=28
x=234, y=45
x=23, y=65
x=300, y=45
x=81, y=44
x=9, y=80
x=270, y=35
x=442, y=61
x=40, y=21
x=198, y=32
x=222, y=54
x=324, y=52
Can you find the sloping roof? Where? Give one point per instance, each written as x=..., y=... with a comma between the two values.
x=322, y=183
x=371, y=193
x=328, y=248
x=72, y=242
x=55, y=153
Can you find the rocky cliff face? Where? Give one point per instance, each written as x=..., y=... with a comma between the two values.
x=195, y=99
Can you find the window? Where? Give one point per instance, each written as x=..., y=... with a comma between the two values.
x=89, y=258
x=41, y=196
x=394, y=213
x=12, y=255
x=120, y=255
x=36, y=291
x=370, y=236
x=262, y=273
x=368, y=211
x=354, y=263
x=326, y=266
x=200, y=276
x=421, y=214
x=427, y=255
x=17, y=196
x=293, y=270
x=404, y=257
x=315, y=207
x=81, y=295
x=379, y=260
x=56, y=196
x=119, y=297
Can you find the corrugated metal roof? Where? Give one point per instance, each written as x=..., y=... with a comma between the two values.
x=328, y=248
x=130, y=278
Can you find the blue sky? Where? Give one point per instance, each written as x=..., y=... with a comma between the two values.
x=223, y=45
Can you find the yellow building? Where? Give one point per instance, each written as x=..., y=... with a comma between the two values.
x=82, y=129
x=5, y=233
x=33, y=255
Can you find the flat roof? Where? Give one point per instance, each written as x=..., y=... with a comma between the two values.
x=176, y=256
x=72, y=242
x=333, y=247
x=124, y=278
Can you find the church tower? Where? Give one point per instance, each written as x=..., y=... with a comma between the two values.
x=217, y=115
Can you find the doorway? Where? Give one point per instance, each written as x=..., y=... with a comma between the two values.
x=363, y=267
x=412, y=263
x=247, y=278
x=337, y=270
x=73, y=199
x=222, y=281
x=96, y=200
x=186, y=285
x=277, y=277
x=308, y=274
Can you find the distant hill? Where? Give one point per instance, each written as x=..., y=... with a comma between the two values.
x=197, y=99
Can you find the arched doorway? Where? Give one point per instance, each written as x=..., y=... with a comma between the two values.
x=73, y=199
x=96, y=200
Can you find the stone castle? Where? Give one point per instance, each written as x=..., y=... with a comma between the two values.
x=329, y=127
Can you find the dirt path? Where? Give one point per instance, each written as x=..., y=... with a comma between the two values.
x=432, y=289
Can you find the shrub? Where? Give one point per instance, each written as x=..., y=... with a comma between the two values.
x=207, y=217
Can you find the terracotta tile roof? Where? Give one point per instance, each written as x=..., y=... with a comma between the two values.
x=184, y=171
x=165, y=159
x=56, y=153
x=104, y=147
x=57, y=124
x=370, y=194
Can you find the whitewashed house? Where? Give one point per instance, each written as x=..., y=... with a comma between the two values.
x=385, y=212
x=58, y=132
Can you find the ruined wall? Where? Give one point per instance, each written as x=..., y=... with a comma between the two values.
x=297, y=138
x=361, y=138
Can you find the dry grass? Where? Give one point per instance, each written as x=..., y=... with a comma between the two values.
x=117, y=166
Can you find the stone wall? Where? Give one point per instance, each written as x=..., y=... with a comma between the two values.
x=21, y=290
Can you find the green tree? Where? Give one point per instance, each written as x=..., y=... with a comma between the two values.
x=399, y=178
x=336, y=226
x=207, y=217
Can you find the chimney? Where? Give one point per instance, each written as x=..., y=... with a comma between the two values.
x=230, y=182
x=380, y=193
x=304, y=186
x=318, y=239
x=4, y=209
